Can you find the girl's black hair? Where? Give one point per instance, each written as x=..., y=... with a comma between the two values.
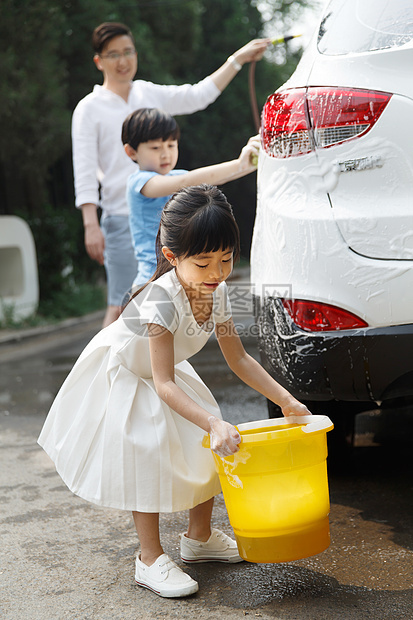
x=148, y=124
x=195, y=220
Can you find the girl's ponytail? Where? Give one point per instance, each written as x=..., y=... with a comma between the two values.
x=163, y=266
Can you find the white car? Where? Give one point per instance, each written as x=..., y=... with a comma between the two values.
x=332, y=249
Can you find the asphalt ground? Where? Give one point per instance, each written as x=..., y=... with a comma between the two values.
x=63, y=558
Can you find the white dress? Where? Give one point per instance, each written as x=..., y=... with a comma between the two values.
x=114, y=442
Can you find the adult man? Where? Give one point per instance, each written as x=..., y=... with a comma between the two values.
x=98, y=155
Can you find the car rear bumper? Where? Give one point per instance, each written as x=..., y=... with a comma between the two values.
x=355, y=365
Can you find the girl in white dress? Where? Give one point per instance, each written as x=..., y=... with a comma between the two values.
x=126, y=427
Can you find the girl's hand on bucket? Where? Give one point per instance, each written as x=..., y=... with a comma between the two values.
x=294, y=407
x=224, y=437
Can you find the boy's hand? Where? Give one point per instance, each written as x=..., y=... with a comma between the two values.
x=248, y=158
x=224, y=437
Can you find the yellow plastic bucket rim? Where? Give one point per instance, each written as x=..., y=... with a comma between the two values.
x=291, y=427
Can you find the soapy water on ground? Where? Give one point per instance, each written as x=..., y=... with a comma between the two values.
x=64, y=558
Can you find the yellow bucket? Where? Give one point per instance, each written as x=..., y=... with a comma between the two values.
x=276, y=489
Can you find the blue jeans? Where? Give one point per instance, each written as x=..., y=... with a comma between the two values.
x=120, y=261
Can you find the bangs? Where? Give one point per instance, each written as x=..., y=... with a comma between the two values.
x=166, y=129
x=211, y=230
x=147, y=124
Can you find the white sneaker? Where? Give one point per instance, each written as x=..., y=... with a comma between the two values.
x=165, y=578
x=218, y=548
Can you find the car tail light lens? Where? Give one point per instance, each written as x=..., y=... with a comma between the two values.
x=340, y=115
x=295, y=122
x=285, y=127
x=318, y=317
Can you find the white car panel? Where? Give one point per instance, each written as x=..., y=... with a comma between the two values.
x=332, y=248
x=298, y=249
x=386, y=70
x=377, y=224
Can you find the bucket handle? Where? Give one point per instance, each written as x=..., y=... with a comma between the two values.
x=312, y=423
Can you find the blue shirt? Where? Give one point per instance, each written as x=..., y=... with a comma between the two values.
x=144, y=217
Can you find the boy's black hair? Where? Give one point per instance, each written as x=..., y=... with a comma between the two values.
x=148, y=124
x=106, y=32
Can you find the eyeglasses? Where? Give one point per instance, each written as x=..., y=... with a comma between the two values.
x=118, y=55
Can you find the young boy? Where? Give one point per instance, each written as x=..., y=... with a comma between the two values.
x=150, y=137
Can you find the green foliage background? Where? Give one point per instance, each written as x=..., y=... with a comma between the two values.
x=46, y=68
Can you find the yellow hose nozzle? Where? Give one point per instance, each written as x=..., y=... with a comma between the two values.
x=285, y=39
x=254, y=159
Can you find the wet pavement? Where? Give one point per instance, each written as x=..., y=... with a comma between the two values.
x=63, y=558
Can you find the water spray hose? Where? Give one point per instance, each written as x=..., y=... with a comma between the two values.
x=251, y=81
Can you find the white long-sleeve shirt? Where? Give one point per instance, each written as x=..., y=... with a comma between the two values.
x=98, y=153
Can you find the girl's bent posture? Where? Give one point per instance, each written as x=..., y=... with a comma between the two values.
x=126, y=428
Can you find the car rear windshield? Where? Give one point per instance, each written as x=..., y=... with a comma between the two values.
x=350, y=26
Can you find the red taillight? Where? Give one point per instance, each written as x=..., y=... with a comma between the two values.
x=318, y=317
x=296, y=121
x=284, y=127
x=341, y=114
